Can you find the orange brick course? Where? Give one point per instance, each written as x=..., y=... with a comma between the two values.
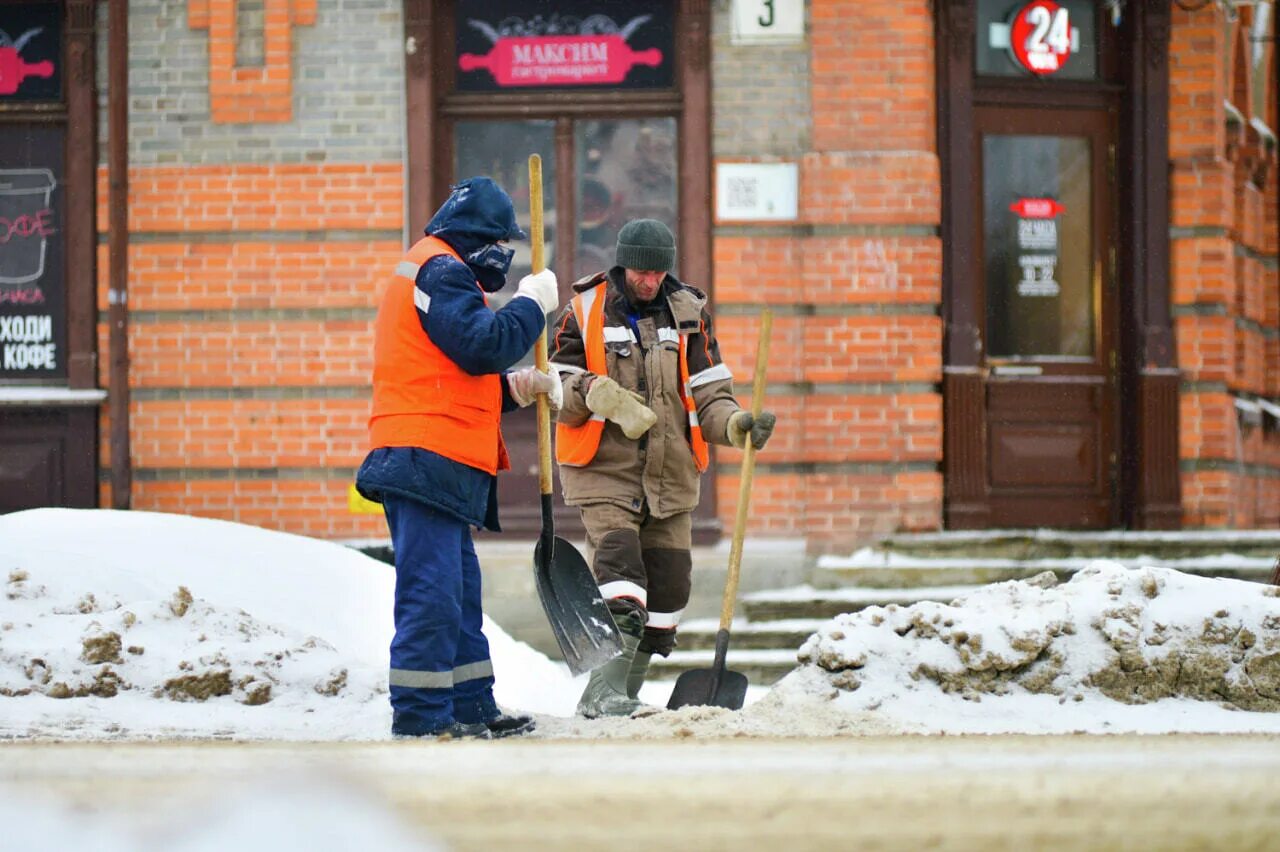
x=1212, y=189
x=251, y=275
x=244, y=197
x=833, y=510
x=315, y=508
x=1204, y=271
x=871, y=188
x=828, y=270
x=240, y=94
x=834, y=428
x=248, y=433
x=872, y=75
x=250, y=354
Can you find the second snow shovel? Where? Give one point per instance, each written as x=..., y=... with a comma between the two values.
x=717, y=686
x=579, y=618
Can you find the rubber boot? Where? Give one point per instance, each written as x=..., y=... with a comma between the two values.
x=639, y=671
x=606, y=692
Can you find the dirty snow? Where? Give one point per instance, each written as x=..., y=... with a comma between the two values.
x=1115, y=649
x=152, y=625
x=136, y=625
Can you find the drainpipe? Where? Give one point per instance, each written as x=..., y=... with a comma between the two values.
x=118, y=249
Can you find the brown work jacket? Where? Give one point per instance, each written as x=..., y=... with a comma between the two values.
x=658, y=468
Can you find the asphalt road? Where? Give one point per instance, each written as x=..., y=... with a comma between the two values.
x=999, y=792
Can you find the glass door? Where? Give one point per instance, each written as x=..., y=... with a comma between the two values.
x=1046, y=277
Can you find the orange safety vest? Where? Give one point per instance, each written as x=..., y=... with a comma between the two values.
x=576, y=445
x=421, y=398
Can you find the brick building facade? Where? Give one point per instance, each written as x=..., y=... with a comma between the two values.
x=282, y=152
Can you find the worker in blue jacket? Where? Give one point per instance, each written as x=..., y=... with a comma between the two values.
x=441, y=381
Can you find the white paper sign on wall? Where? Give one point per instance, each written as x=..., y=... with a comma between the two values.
x=767, y=21
x=756, y=192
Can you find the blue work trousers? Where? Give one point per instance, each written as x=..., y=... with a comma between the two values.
x=440, y=666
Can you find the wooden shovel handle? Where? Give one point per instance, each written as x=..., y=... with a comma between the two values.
x=540, y=348
x=748, y=469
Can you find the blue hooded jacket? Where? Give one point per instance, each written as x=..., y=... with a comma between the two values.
x=480, y=341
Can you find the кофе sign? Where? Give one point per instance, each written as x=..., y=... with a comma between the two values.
x=507, y=44
x=32, y=279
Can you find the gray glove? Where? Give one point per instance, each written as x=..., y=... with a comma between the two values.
x=742, y=424
x=626, y=408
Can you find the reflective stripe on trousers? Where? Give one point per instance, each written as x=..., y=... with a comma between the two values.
x=441, y=680
x=440, y=666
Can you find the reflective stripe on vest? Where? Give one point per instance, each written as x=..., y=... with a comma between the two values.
x=697, y=443
x=576, y=445
x=421, y=398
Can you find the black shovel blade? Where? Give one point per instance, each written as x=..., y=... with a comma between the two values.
x=579, y=618
x=699, y=687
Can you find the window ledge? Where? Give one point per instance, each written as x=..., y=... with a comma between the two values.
x=27, y=395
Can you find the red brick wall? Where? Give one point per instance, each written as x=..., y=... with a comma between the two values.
x=1224, y=278
x=250, y=353
x=855, y=283
x=216, y=319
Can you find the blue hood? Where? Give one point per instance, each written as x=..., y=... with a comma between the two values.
x=476, y=213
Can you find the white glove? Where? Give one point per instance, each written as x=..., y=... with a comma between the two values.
x=626, y=408
x=525, y=384
x=542, y=288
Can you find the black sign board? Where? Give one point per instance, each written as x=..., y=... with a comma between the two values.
x=33, y=327
x=30, y=52
x=542, y=45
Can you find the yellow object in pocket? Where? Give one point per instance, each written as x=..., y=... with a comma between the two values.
x=358, y=505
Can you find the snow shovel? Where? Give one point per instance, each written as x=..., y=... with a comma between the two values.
x=580, y=619
x=717, y=686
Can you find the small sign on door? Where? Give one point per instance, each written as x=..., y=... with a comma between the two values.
x=1037, y=246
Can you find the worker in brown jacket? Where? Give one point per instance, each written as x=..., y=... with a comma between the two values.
x=644, y=392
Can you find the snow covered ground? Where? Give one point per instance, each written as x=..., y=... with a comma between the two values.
x=135, y=626
x=124, y=627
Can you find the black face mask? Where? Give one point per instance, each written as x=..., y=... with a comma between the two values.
x=491, y=280
x=490, y=264
x=492, y=256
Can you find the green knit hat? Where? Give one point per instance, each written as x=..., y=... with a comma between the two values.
x=646, y=244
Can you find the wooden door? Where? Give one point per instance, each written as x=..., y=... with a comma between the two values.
x=1044, y=269
x=48, y=457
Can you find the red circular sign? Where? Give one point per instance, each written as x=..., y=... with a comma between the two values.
x=1040, y=36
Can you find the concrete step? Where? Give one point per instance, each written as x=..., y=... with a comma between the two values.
x=511, y=600
x=875, y=568
x=805, y=603
x=700, y=634
x=761, y=667
x=1111, y=544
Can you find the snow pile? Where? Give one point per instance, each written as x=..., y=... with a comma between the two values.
x=70, y=642
x=1027, y=651
x=137, y=624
